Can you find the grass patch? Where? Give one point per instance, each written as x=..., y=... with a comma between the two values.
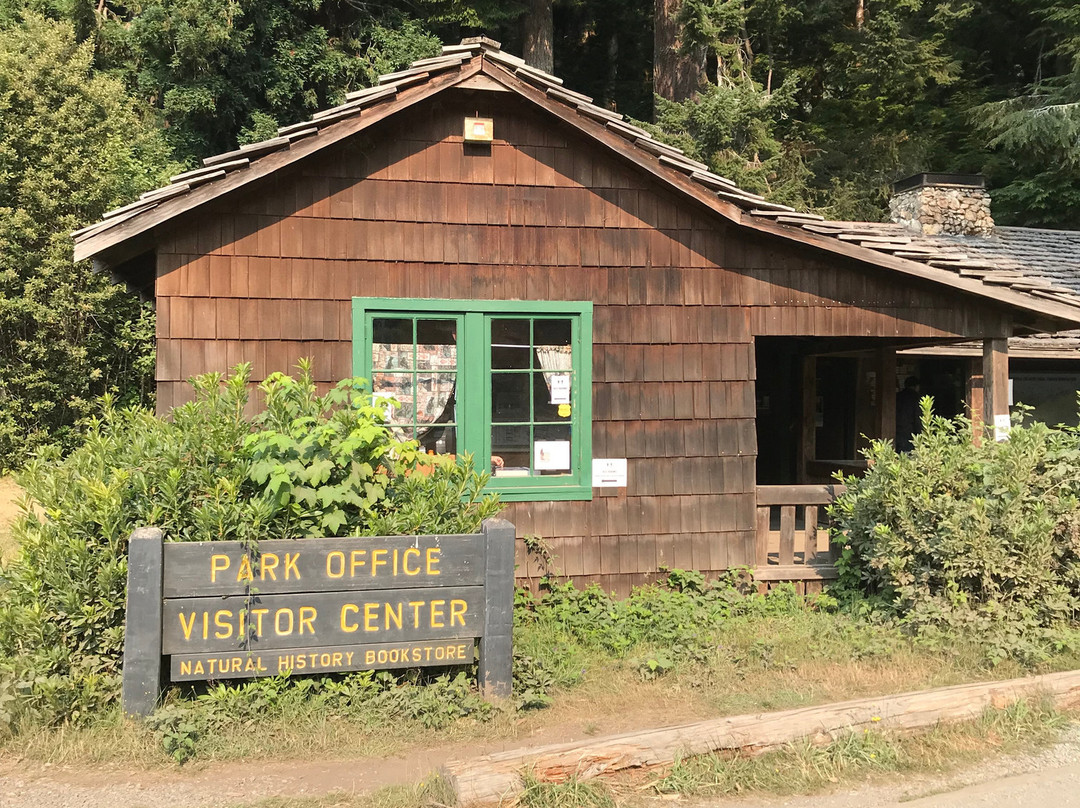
x=674, y=655
x=805, y=768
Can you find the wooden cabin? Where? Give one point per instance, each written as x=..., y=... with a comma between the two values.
x=540, y=282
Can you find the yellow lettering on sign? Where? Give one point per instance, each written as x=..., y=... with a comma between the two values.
x=415, y=553
x=335, y=559
x=307, y=619
x=349, y=628
x=416, y=604
x=457, y=612
x=218, y=563
x=437, y=613
x=391, y=616
x=290, y=566
x=243, y=573
x=224, y=628
x=268, y=564
x=395, y=562
x=185, y=668
x=188, y=626
x=433, y=554
x=376, y=555
x=258, y=615
x=371, y=614
x=287, y=629
x=357, y=559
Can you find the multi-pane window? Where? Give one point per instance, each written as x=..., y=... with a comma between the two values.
x=414, y=362
x=506, y=381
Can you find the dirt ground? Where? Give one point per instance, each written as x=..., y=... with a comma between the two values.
x=9, y=495
x=1047, y=777
x=31, y=784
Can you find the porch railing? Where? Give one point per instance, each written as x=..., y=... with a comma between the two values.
x=791, y=538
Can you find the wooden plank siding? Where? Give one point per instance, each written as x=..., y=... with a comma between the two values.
x=406, y=210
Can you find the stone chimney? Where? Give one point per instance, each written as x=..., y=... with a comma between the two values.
x=955, y=204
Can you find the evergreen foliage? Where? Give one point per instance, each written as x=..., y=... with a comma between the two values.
x=72, y=145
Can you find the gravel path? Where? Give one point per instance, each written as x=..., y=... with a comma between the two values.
x=1050, y=777
x=1046, y=779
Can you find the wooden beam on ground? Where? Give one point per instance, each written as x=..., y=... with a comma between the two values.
x=497, y=779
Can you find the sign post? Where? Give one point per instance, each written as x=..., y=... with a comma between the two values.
x=220, y=610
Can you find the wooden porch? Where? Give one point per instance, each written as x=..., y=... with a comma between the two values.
x=792, y=536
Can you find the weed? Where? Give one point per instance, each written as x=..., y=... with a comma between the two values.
x=571, y=794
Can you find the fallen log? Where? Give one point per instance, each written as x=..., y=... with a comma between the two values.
x=496, y=779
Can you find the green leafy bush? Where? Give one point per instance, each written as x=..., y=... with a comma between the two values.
x=678, y=619
x=957, y=536
x=309, y=465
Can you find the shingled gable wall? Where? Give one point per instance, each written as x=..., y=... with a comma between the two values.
x=403, y=210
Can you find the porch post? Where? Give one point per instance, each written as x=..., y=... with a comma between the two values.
x=886, y=376
x=996, y=385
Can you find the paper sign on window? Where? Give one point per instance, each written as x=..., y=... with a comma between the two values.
x=560, y=388
x=552, y=455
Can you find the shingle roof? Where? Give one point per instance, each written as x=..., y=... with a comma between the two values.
x=1032, y=263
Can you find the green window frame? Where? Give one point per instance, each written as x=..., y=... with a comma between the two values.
x=476, y=414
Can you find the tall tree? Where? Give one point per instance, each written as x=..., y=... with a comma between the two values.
x=538, y=35
x=72, y=145
x=678, y=64
x=1033, y=135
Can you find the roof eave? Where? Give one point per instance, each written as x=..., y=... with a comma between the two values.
x=1067, y=315
x=103, y=245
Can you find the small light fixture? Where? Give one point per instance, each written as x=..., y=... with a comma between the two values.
x=479, y=130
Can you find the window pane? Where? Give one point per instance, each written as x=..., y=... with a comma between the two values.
x=552, y=332
x=551, y=449
x=394, y=385
x=510, y=344
x=392, y=343
x=436, y=344
x=554, y=355
x=551, y=394
x=510, y=397
x=435, y=398
x=511, y=444
x=438, y=439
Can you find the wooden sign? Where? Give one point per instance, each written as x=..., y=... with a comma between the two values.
x=220, y=610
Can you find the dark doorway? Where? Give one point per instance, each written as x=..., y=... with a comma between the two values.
x=779, y=408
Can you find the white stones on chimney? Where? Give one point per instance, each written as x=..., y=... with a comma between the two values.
x=952, y=209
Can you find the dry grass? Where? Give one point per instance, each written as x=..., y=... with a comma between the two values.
x=800, y=768
x=9, y=510
x=611, y=698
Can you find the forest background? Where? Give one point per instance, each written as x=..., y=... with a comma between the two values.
x=819, y=104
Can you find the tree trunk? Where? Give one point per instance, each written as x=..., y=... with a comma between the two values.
x=676, y=75
x=860, y=14
x=538, y=32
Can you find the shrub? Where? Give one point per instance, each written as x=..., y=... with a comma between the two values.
x=953, y=535
x=309, y=465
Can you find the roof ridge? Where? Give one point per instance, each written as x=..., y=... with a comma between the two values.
x=755, y=208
